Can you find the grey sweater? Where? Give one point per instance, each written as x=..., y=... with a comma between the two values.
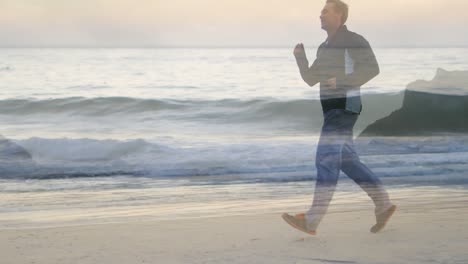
x=348, y=57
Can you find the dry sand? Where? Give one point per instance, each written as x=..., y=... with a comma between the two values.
x=430, y=232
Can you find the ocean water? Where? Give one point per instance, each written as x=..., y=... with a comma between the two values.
x=87, y=120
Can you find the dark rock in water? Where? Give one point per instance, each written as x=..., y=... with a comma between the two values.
x=15, y=161
x=10, y=152
x=437, y=106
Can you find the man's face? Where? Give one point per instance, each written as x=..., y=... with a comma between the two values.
x=329, y=17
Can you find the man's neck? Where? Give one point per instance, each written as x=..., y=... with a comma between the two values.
x=332, y=32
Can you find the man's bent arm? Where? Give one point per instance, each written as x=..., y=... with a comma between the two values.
x=310, y=74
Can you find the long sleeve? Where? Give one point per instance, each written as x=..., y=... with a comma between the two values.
x=365, y=65
x=311, y=75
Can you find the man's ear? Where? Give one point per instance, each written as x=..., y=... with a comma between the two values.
x=341, y=14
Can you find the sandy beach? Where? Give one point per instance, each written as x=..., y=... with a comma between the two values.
x=428, y=227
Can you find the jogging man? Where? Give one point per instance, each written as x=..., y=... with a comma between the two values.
x=345, y=62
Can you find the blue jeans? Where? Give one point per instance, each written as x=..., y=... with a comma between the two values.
x=335, y=153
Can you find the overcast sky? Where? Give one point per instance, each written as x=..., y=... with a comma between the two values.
x=150, y=23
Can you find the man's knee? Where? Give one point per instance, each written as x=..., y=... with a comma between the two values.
x=328, y=168
x=349, y=155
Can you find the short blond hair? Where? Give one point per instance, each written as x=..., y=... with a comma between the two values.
x=341, y=7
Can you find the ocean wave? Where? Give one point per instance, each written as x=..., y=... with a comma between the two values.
x=249, y=161
x=225, y=109
x=87, y=106
x=260, y=116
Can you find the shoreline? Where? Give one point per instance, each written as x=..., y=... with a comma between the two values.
x=76, y=207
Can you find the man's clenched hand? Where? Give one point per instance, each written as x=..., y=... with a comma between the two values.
x=331, y=83
x=299, y=50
